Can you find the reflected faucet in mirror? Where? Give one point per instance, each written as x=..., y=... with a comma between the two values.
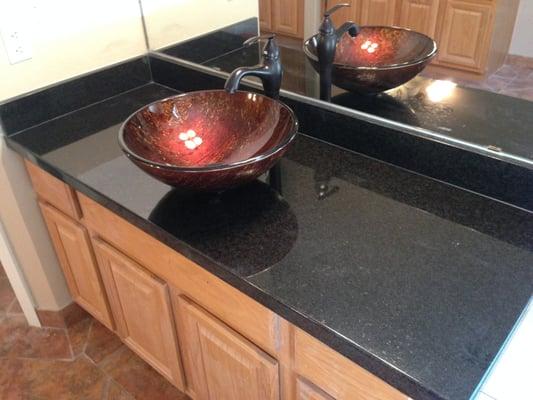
x=270, y=70
x=326, y=46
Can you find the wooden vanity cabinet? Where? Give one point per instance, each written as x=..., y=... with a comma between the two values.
x=73, y=249
x=141, y=306
x=202, y=334
x=220, y=363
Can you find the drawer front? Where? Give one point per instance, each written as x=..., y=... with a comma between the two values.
x=335, y=374
x=251, y=319
x=52, y=190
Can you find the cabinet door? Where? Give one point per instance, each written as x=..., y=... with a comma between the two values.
x=220, y=364
x=142, y=311
x=378, y=12
x=265, y=15
x=420, y=16
x=465, y=35
x=73, y=249
x=305, y=390
x=287, y=17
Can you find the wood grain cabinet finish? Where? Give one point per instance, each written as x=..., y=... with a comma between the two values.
x=420, y=16
x=265, y=15
x=54, y=191
x=285, y=17
x=465, y=35
x=141, y=306
x=73, y=249
x=345, y=14
x=220, y=363
x=305, y=390
x=378, y=12
x=335, y=374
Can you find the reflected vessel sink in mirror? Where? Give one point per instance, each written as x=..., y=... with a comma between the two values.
x=208, y=140
x=379, y=58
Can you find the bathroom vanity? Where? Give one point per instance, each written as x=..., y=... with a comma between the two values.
x=335, y=276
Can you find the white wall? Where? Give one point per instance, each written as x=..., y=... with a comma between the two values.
x=69, y=37
x=522, y=42
x=172, y=21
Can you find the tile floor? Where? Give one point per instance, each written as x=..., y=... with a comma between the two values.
x=83, y=362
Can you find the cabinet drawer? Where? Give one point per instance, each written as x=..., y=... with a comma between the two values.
x=54, y=191
x=335, y=374
x=254, y=321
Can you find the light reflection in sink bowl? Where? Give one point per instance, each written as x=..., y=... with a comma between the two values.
x=208, y=140
x=379, y=58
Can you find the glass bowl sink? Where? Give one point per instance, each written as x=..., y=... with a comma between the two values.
x=379, y=58
x=208, y=140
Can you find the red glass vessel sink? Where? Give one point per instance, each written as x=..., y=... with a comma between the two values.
x=208, y=140
x=379, y=58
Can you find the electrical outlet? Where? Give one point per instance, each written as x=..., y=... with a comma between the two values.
x=17, y=44
x=16, y=22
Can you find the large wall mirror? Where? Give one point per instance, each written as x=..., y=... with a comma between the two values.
x=476, y=91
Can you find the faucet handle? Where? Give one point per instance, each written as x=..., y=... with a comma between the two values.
x=271, y=49
x=327, y=13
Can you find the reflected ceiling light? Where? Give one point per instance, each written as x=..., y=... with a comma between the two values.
x=440, y=90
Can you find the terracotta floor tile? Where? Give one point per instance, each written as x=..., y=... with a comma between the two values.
x=41, y=379
x=101, y=342
x=117, y=392
x=78, y=335
x=6, y=294
x=139, y=379
x=17, y=339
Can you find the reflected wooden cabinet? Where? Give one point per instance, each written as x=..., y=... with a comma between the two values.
x=285, y=17
x=465, y=36
x=305, y=390
x=472, y=35
x=420, y=16
x=72, y=246
x=220, y=363
x=141, y=306
x=265, y=15
x=378, y=12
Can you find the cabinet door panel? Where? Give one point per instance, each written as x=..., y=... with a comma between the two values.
x=465, y=34
x=141, y=307
x=305, y=390
x=220, y=363
x=287, y=17
x=72, y=246
x=265, y=15
x=420, y=15
x=378, y=12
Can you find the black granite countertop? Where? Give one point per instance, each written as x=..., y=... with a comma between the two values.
x=417, y=281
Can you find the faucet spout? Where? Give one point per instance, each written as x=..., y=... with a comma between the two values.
x=270, y=71
x=350, y=27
